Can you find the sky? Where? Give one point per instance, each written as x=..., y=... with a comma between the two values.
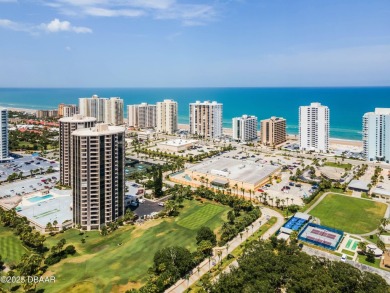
x=194, y=43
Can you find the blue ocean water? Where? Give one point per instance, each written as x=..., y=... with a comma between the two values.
x=347, y=105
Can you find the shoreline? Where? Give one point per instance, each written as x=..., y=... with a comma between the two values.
x=335, y=142
x=27, y=110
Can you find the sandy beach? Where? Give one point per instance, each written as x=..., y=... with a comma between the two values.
x=335, y=143
x=31, y=111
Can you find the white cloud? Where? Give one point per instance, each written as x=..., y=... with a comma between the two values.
x=54, y=26
x=95, y=11
x=188, y=14
x=152, y=4
x=57, y=25
x=67, y=48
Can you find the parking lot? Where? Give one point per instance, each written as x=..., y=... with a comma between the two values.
x=21, y=187
x=146, y=208
x=294, y=194
x=25, y=165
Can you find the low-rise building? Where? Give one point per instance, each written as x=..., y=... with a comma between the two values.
x=228, y=173
x=176, y=145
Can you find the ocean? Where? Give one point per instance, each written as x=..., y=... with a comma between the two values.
x=347, y=104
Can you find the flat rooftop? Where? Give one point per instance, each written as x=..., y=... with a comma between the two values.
x=359, y=184
x=178, y=142
x=57, y=207
x=238, y=170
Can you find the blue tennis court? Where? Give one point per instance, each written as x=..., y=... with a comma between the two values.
x=295, y=223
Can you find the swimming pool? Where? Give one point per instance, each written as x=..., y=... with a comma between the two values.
x=39, y=198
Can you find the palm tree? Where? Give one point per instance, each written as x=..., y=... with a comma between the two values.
x=236, y=188
x=55, y=223
x=242, y=190
x=49, y=227
x=277, y=202
x=219, y=253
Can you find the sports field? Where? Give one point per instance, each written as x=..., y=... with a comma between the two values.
x=352, y=215
x=120, y=261
x=11, y=248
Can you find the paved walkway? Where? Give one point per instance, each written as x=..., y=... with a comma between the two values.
x=315, y=252
x=205, y=266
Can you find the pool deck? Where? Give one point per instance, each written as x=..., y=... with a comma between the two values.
x=47, y=210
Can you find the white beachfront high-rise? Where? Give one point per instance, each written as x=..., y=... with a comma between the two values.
x=141, y=116
x=376, y=135
x=206, y=119
x=4, y=154
x=103, y=109
x=244, y=128
x=166, y=115
x=314, y=128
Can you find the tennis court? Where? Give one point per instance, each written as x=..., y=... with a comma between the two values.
x=295, y=223
x=321, y=236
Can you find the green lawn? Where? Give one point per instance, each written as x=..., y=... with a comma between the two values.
x=349, y=214
x=200, y=216
x=102, y=266
x=11, y=248
x=341, y=165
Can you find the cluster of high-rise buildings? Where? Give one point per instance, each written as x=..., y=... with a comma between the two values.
x=92, y=143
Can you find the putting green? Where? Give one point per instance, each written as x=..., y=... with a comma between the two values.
x=200, y=217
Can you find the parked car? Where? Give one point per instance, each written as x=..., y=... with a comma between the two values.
x=343, y=258
x=161, y=204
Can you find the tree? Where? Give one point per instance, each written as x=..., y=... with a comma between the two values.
x=370, y=257
x=362, y=246
x=294, y=237
x=205, y=247
x=231, y=217
x=175, y=260
x=55, y=223
x=206, y=234
x=158, y=182
x=104, y=231
x=381, y=245
x=49, y=227
x=129, y=215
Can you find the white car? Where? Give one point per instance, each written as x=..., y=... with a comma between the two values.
x=161, y=204
x=343, y=258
